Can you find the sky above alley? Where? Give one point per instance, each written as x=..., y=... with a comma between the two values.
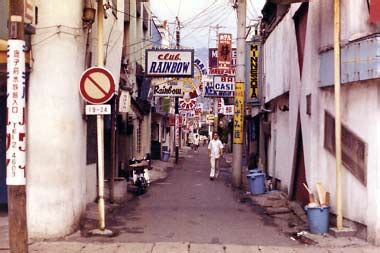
x=197, y=16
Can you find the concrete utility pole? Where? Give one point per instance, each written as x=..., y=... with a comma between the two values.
x=16, y=160
x=100, y=124
x=338, y=149
x=239, y=94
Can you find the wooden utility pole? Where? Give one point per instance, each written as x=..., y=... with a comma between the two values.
x=18, y=235
x=238, y=134
x=338, y=149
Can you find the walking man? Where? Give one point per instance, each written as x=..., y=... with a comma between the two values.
x=215, y=151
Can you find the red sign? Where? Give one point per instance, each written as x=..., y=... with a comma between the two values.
x=374, y=13
x=224, y=50
x=213, y=58
x=97, y=85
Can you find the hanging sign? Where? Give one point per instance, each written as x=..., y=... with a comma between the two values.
x=176, y=126
x=252, y=70
x=228, y=110
x=16, y=127
x=224, y=83
x=209, y=91
x=168, y=89
x=169, y=62
x=187, y=104
x=224, y=50
x=213, y=58
x=124, y=101
x=239, y=114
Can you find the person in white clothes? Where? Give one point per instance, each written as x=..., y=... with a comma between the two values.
x=215, y=151
x=196, y=141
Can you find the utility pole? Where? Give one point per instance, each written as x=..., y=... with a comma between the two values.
x=177, y=130
x=338, y=149
x=216, y=100
x=16, y=129
x=238, y=133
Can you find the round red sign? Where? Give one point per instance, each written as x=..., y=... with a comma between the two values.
x=97, y=85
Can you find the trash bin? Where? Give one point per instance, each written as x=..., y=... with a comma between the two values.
x=257, y=183
x=165, y=156
x=318, y=219
x=253, y=171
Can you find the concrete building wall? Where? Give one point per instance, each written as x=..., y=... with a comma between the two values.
x=59, y=181
x=56, y=189
x=360, y=108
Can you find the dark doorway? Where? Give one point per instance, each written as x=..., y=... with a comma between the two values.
x=299, y=192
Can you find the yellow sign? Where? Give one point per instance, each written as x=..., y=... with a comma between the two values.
x=253, y=92
x=239, y=113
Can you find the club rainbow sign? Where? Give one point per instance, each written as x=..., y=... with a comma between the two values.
x=169, y=62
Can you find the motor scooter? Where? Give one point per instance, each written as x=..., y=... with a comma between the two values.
x=140, y=174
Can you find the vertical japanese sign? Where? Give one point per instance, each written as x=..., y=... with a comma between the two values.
x=253, y=73
x=224, y=50
x=16, y=127
x=239, y=113
x=176, y=127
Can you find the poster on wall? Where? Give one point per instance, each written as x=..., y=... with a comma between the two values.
x=16, y=127
x=252, y=73
x=224, y=50
x=169, y=62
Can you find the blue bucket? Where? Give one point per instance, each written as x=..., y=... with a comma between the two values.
x=165, y=156
x=318, y=219
x=257, y=183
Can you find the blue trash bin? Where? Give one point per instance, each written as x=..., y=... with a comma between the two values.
x=257, y=183
x=165, y=156
x=318, y=219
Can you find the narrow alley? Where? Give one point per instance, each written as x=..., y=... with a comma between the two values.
x=187, y=206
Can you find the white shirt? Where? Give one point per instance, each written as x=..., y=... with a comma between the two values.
x=196, y=140
x=215, y=146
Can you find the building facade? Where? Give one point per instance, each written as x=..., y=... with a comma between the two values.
x=298, y=117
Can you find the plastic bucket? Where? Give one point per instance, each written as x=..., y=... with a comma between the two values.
x=257, y=183
x=318, y=219
x=165, y=156
x=255, y=171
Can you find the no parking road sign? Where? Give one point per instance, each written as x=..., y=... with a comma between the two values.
x=97, y=85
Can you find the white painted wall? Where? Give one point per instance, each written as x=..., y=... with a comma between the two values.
x=360, y=108
x=59, y=181
x=56, y=189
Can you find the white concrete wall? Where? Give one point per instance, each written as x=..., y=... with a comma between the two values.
x=360, y=108
x=59, y=181
x=56, y=188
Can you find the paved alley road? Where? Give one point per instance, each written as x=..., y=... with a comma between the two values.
x=188, y=207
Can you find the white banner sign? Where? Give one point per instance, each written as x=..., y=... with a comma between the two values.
x=165, y=89
x=228, y=110
x=124, y=101
x=224, y=83
x=16, y=127
x=169, y=62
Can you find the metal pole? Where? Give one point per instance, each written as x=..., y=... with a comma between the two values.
x=338, y=150
x=100, y=124
x=216, y=101
x=239, y=95
x=16, y=130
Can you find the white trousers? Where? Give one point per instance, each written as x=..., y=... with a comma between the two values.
x=214, y=166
